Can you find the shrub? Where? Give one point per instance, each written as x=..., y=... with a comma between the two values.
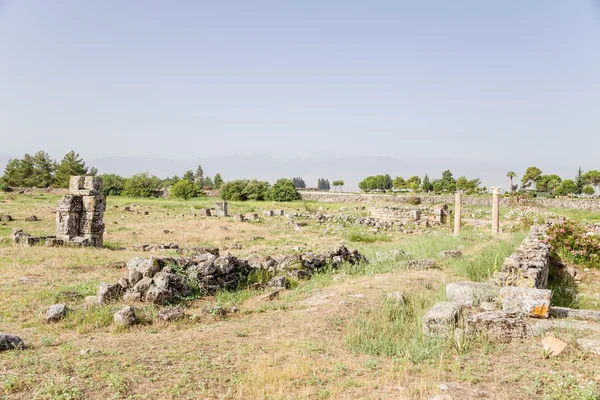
x=570, y=239
x=185, y=189
x=3, y=187
x=243, y=189
x=589, y=190
x=284, y=190
x=112, y=185
x=414, y=200
x=141, y=185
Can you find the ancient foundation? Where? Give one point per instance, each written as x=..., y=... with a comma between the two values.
x=79, y=215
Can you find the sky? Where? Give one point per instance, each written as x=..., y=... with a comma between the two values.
x=464, y=79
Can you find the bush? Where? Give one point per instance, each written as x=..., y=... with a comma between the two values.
x=414, y=200
x=570, y=239
x=141, y=185
x=284, y=190
x=112, y=185
x=242, y=190
x=589, y=190
x=185, y=189
x=3, y=187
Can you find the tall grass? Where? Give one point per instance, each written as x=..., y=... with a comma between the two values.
x=481, y=266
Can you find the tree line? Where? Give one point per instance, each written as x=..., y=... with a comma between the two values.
x=446, y=184
x=535, y=180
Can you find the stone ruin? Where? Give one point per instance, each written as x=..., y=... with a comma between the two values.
x=221, y=209
x=414, y=215
x=79, y=215
x=162, y=280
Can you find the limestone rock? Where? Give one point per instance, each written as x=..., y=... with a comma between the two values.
x=470, y=294
x=139, y=268
x=56, y=312
x=451, y=253
x=589, y=345
x=526, y=301
x=396, y=297
x=166, y=287
x=441, y=319
x=278, y=282
x=10, y=342
x=498, y=325
x=170, y=314
x=32, y=218
x=420, y=264
x=125, y=317
x=553, y=346
x=108, y=292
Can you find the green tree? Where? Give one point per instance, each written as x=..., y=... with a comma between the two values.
x=284, y=190
x=399, y=183
x=208, y=182
x=547, y=183
x=43, y=170
x=234, y=190
x=256, y=190
x=426, y=185
x=589, y=190
x=579, y=182
x=141, y=185
x=448, y=183
x=338, y=184
x=567, y=186
x=532, y=175
x=511, y=175
x=12, y=173
x=218, y=181
x=413, y=183
x=112, y=185
x=462, y=183
x=189, y=176
x=592, y=177
x=27, y=171
x=199, y=177
x=70, y=165
x=184, y=189
x=299, y=183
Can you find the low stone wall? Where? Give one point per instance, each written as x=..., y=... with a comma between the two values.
x=326, y=197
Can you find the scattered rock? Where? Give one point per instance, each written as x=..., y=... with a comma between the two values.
x=108, y=292
x=10, y=342
x=91, y=300
x=553, y=346
x=170, y=314
x=5, y=218
x=526, y=301
x=125, y=317
x=451, y=253
x=470, y=294
x=269, y=296
x=278, y=282
x=441, y=319
x=396, y=297
x=427, y=263
x=589, y=345
x=56, y=312
x=32, y=218
x=489, y=306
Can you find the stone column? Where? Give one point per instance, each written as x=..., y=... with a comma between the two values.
x=457, y=211
x=495, y=210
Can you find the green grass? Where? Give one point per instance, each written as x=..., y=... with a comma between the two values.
x=580, y=215
x=481, y=266
x=367, y=237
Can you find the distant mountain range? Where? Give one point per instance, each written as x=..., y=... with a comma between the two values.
x=351, y=169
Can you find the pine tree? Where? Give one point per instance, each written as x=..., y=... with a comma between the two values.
x=189, y=176
x=218, y=181
x=12, y=173
x=426, y=185
x=579, y=182
x=199, y=177
x=70, y=165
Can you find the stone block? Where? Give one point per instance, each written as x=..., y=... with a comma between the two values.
x=221, y=209
x=67, y=223
x=76, y=183
x=91, y=223
x=470, y=294
x=498, y=325
x=526, y=301
x=70, y=203
x=589, y=345
x=93, y=183
x=441, y=319
x=96, y=204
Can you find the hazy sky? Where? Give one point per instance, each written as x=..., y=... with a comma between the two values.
x=472, y=79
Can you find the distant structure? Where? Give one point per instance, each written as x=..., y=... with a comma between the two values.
x=80, y=215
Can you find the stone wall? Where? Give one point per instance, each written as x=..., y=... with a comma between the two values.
x=327, y=197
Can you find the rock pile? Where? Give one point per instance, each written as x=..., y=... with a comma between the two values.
x=162, y=280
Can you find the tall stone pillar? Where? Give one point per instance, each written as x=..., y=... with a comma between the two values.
x=457, y=212
x=495, y=210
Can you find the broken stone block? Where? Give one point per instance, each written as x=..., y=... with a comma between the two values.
x=498, y=325
x=420, y=264
x=470, y=294
x=32, y=218
x=139, y=268
x=91, y=222
x=589, y=345
x=108, y=292
x=396, y=297
x=278, y=282
x=54, y=242
x=67, y=223
x=94, y=204
x=441, y=319
x=125, y=317
x=170, y=314
x=70, y=203
x=526, y=301
x=221, y=209
x=553, y=346
x=451, y=253
x=56, y=312
x=10, y=342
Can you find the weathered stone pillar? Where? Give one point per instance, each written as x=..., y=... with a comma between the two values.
x=495, y=210
x=221, y=209
x=457, y=211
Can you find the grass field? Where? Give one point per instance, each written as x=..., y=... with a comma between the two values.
x=335, y=336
